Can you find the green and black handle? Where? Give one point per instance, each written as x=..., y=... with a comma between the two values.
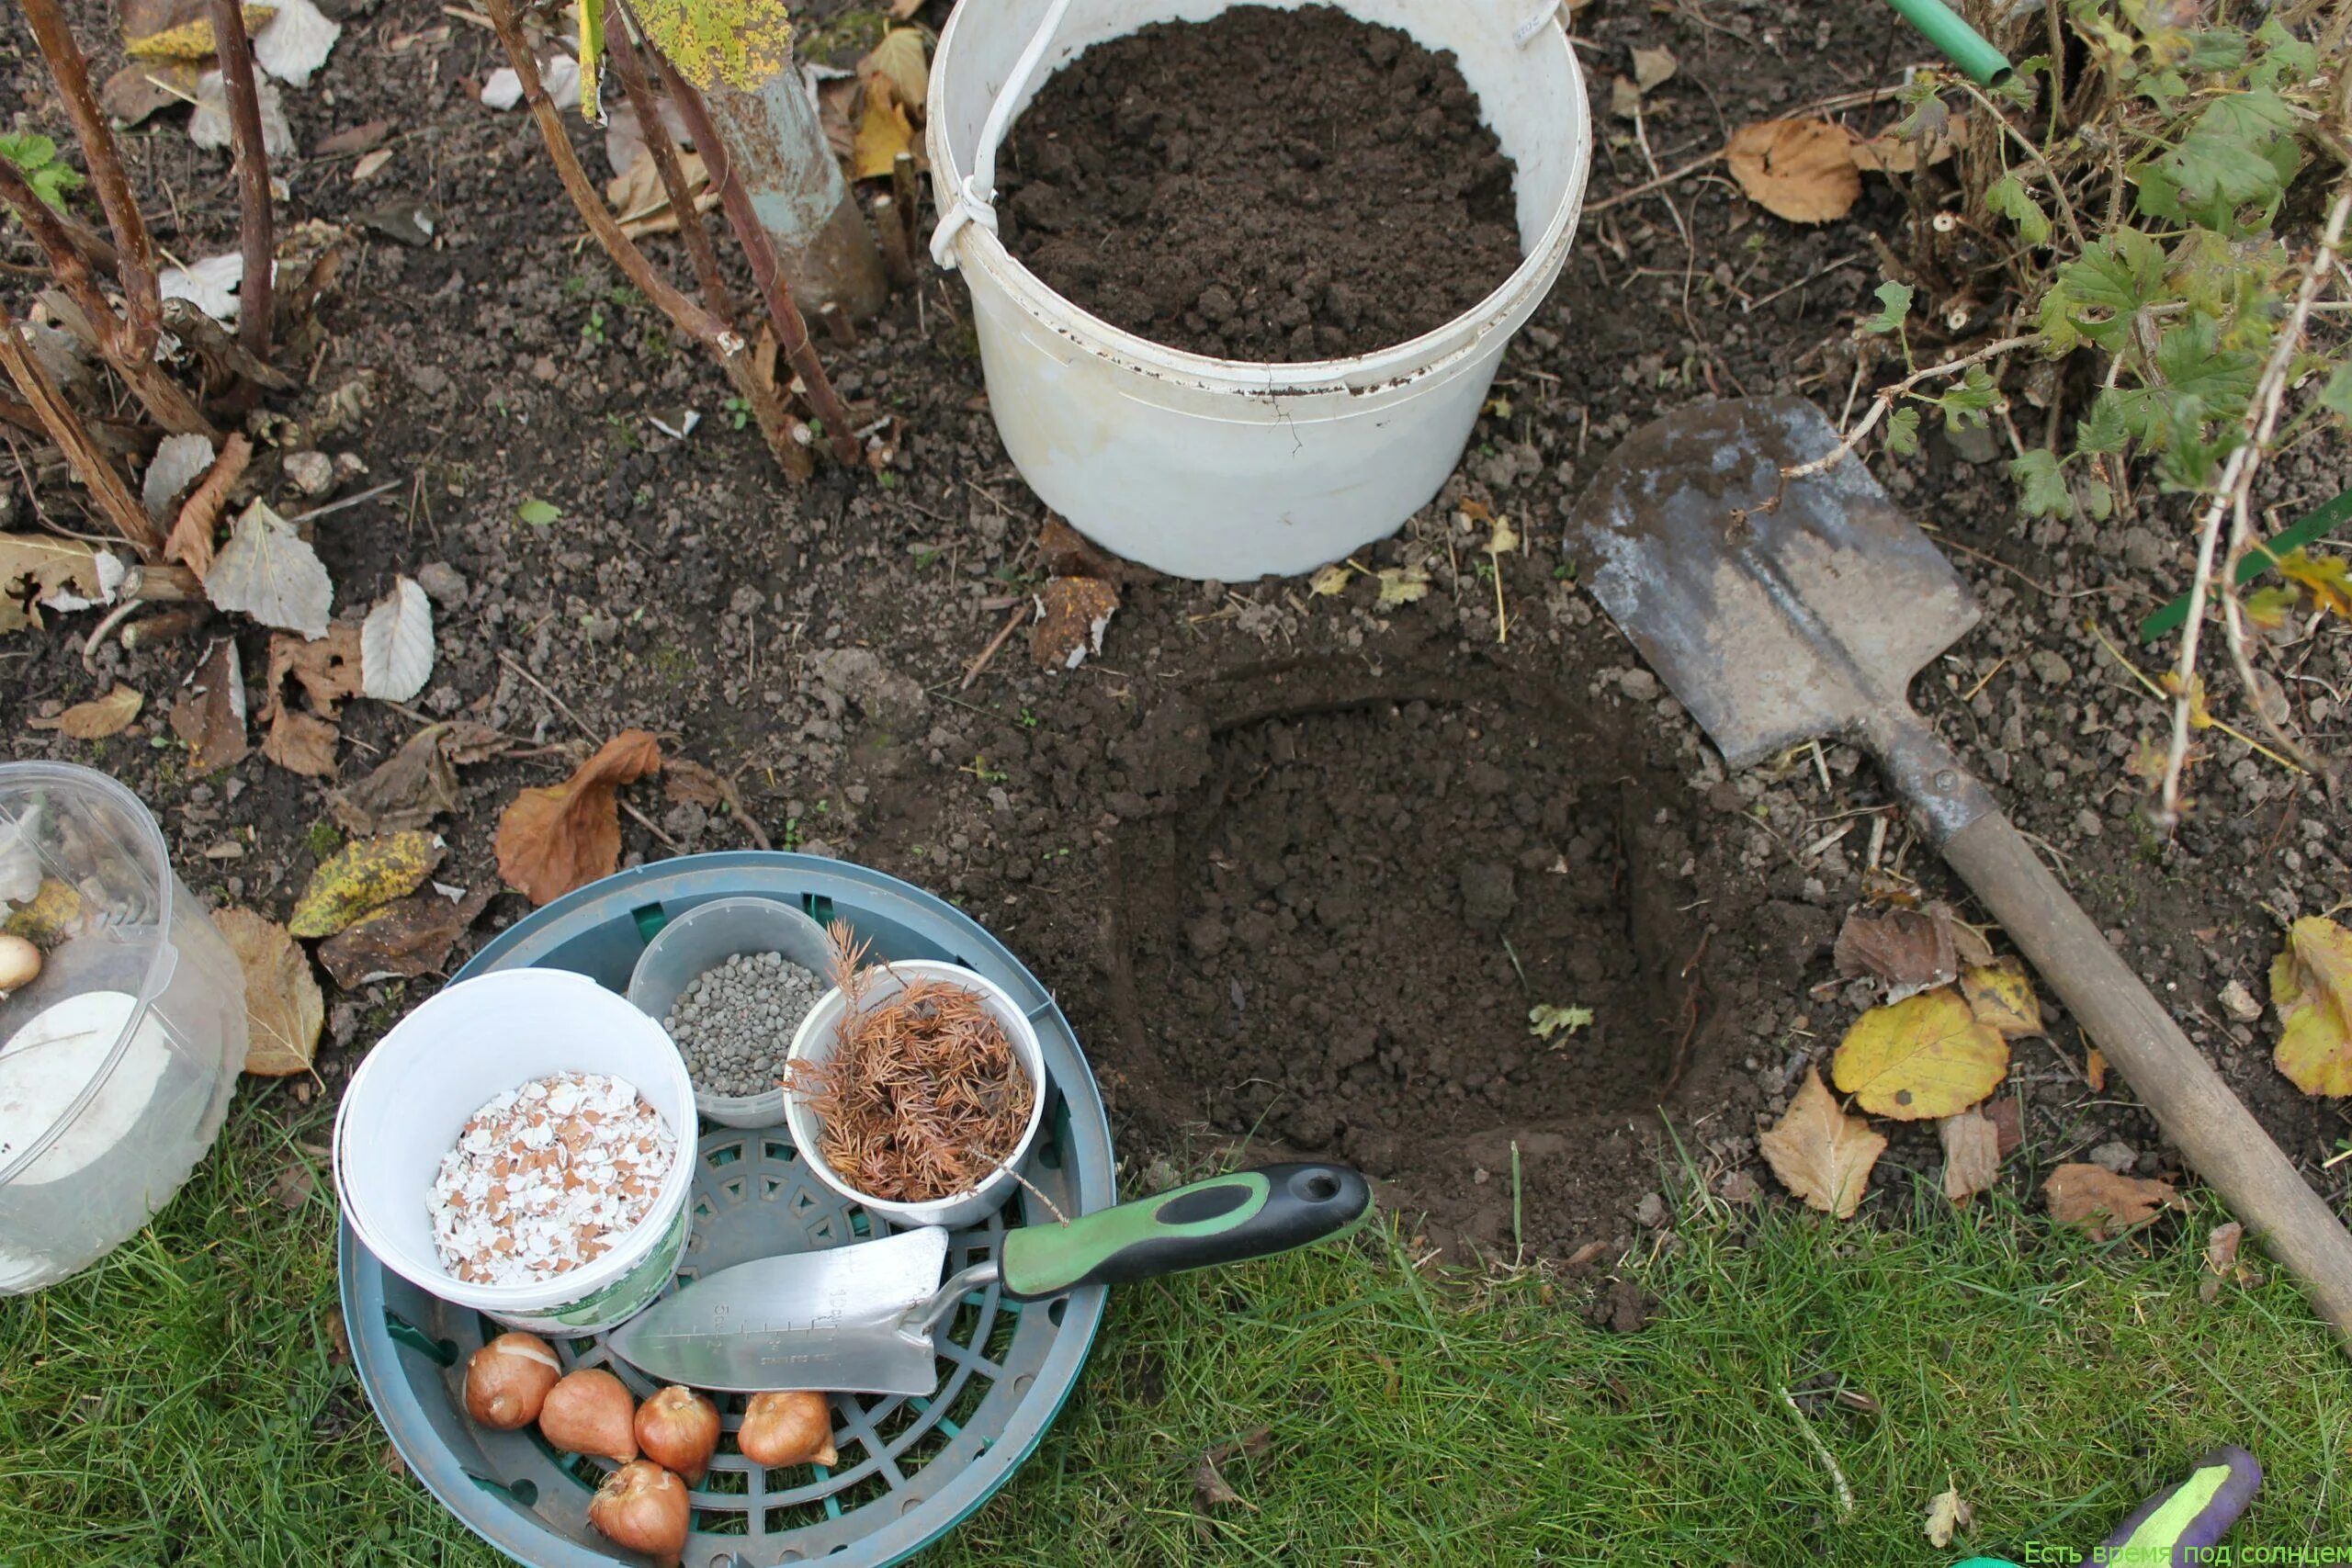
x=1227, y=1219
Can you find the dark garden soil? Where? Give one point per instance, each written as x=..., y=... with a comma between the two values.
x=1299, y=866
x=1264, y=185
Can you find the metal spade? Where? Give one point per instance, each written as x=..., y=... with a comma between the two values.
x=860, y=1319
x=1777, y=625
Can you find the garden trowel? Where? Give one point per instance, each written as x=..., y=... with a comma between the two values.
x=1784, y=609
x=859, y=1319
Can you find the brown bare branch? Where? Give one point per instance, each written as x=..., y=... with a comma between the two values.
x=791, y=332
x=107, y=486
x=134, y=252
x=255, y=236
x=165, y=400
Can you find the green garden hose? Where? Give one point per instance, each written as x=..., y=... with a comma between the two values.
x=1961, y=44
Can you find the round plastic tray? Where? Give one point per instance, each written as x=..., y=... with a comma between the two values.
x=909, y=1469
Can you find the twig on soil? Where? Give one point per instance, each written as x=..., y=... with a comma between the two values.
x=1020, y=612
x=2233, y=498
x=107, y=486
x=1646, y=186
x=1821, y=1451
x=517, y=666
x=255, y=236
x=784, y=316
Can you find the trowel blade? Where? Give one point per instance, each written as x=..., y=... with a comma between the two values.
x=829, y=1320
x=1785, y=627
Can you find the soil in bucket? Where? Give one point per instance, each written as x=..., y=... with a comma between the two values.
x=1266, y=185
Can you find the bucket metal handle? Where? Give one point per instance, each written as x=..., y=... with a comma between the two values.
x=975, y=199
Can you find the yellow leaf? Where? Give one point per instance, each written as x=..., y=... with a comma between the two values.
x=1925, y=1058
x=1820, y=1153
x=363, y=875
x=1948, y=1514
x=739, y=43
x=1402, y=585
x=883, y=131
x=2328, y=577
x=2200, y=716
x=1506, y=538
x=903, y=58
x=2001, y=997
x=55, y=909
x=1801, y=170
x=1329, y=582
x=181, y=29
x=283, y=1006
x=2311, y=985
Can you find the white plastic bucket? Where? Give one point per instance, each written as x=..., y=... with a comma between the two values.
x=404, y=1107
x=1210, y=468
x=815, y=1042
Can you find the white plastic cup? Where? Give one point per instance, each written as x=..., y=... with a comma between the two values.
x=815, y=1042
x=704, y=937
x=1209, y=467
x=403, y=1108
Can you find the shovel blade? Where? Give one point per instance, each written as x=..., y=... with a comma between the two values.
x=1797, y=623
x=828, y=1320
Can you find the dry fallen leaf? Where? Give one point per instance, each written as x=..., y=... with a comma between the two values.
x=2095, y=1069
x=36, y=570
x=2001, y=996
x=364, y=874
x=1947, y=1516
x=406, y=936
x=902, y=59
x=95, y=719
x=327, y=672
x=269, y=571
x=1402, y=585
x=412, y=786
x=1971, y=1154
x=2104, y=1203
x=144, y=88
x=396, y=644
x=1331, y=581
x=1887, y=153
x=283, y=1006
x=883, y=131
x=1923, y=1058
x=1801, y=170
x=554, y=838
x=1820, y=1153
x=179, y=461
x=2222, y=1249
x=181, y=29
x=2311, y=985
x=1653, y=67
x=1911, y=950
x=200, y=515
x=211, y=714
x=1072, y=614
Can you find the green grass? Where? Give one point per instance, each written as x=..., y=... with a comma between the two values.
x=182, y=1402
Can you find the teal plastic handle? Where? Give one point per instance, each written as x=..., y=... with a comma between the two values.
x=1956, y=40
x=1227, y=1219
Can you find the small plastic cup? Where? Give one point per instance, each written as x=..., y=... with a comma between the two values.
x=403, y=1108
x=816, y=1041
x=117, y=1061
x=706, y=937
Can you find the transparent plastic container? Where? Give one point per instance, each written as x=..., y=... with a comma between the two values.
x=706, y=937
x=117, y=1061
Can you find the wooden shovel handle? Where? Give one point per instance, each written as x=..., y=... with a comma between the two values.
x=2223, y=1141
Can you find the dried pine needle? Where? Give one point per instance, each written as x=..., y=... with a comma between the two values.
x=923, y=1096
